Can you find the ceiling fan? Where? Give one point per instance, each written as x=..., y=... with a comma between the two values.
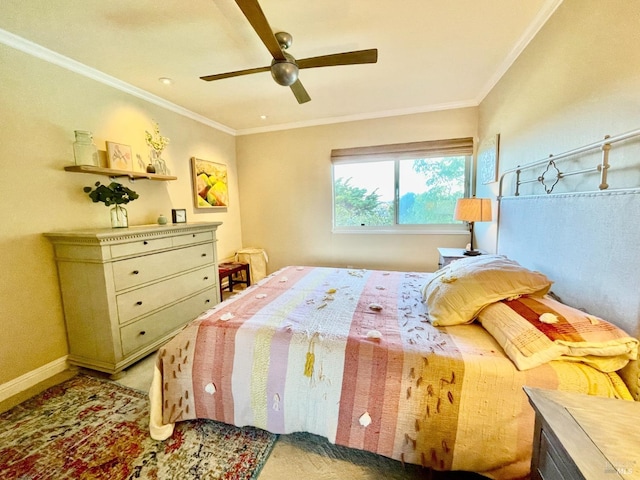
x=284, y=68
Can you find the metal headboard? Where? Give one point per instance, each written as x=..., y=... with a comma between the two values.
x=551, y=174
x=586, y=242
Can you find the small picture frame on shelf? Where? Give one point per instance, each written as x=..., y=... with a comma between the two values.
x=119, y=156
x=178, y=215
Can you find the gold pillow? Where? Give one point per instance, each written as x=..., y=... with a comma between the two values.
x=456, y=293
x=534, y=331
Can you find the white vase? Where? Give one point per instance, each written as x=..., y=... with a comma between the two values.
x=84, y=151
x=119, y=217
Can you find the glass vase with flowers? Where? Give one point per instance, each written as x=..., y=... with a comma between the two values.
x=113, y=194
x=157, y=143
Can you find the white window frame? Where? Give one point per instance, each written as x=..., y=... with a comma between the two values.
x=415, y=150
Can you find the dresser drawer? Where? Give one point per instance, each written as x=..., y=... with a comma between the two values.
x=149, y=329
x=136, y=271
x=140, y=247
x=146, y=299
x=191, y=238
x=548, y=468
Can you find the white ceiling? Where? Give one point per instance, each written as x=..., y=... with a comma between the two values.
x=432, y=54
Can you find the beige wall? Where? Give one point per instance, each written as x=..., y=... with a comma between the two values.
x=40, y=107
x=285, y=189
x=578, y=80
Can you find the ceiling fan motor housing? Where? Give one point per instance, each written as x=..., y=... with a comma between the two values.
x=284, y=39
x=285, y=72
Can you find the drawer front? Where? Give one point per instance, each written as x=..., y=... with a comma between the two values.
x=553, y=465
x=136, y=271
x=140, y=247
x=149, y=329
x=146, y=299
x=444, y=261
x=191, y=238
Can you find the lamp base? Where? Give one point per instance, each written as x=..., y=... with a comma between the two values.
x=472, y=253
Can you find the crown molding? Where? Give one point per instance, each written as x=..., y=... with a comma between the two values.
x=55, y=58
x=536, y=25
x=38, y=51
x=359, y=117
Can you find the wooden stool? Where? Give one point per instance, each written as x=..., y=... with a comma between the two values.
x=229, y=270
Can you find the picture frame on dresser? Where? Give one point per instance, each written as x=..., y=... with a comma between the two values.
x=178, y=215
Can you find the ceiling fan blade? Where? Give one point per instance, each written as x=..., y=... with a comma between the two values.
x=347, y=58
x=237, y=73
x=257, y=19
x=301, y=94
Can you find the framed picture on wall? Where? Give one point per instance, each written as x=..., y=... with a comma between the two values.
x=210, y=184
x=119, y=156
x=488, y=156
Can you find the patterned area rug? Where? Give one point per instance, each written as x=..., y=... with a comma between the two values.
x=88, y=428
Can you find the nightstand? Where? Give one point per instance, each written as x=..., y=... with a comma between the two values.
x=448, y=255
x=584, y=437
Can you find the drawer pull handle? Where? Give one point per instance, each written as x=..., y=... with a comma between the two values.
x=135, y=272
x=204, y=254
x=145, y=243
x=142, y=332
x=194, y=235
x=207, y=301
x=206, y=278
x=139, y=302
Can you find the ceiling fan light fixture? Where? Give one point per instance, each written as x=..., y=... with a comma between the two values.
x=285, y=72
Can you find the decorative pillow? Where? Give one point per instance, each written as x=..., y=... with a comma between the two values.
x=456, y=293
x=533, y=331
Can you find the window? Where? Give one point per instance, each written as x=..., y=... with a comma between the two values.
x=405, y=187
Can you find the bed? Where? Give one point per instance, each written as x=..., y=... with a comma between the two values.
x=424, y=368
x=351, y=355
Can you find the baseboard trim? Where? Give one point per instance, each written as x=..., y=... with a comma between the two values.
x=32, y=378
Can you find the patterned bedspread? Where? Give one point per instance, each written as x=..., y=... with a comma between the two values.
x=349, y=355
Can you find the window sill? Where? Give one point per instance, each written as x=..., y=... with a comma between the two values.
x=439, y=230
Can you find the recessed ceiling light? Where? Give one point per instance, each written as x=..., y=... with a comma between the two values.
x=263, y=117
x=165, y=80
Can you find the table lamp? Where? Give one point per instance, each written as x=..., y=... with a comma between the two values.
x=473, y=210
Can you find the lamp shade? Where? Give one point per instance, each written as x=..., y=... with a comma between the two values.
x=473, y=210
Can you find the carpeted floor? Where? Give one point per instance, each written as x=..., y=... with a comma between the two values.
x=89, y=428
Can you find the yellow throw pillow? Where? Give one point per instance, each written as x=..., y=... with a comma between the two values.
x=534, y=331
x=456, y=293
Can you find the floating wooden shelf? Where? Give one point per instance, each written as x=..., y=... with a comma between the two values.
x=109, y=172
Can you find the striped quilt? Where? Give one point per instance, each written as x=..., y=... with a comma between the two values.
x=349, y=355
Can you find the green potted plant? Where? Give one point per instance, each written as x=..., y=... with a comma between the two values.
x=113, y=194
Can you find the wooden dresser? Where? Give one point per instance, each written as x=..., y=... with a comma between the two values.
x=127, y=291
x=584, y=437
